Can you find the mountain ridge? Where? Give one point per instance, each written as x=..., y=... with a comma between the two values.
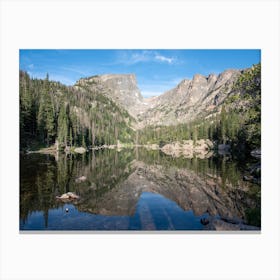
x=185, y=102
x=108, y=109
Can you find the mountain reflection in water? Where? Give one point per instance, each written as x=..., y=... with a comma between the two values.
x=134, y=190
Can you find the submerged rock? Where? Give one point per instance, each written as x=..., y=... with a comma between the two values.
x=223, y=147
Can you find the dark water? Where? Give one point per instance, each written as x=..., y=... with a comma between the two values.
x=134, y=190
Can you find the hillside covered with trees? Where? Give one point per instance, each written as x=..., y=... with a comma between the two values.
x=71, y=116
x=81, y=115
x=238, y=123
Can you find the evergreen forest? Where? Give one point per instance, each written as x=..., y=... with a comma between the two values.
x=73, y=116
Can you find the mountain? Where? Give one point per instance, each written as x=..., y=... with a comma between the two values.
x=121, y=89
x=70, y=116
x=106, y=109
x=190, y=99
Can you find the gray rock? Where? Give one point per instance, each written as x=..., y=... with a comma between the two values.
x=223, y=147
x=256, y=153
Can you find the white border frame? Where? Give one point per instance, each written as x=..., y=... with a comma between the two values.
x=139, y=24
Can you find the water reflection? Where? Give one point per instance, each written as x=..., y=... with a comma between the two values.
x=134, y=190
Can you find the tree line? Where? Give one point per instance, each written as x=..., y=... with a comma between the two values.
x=238, y=123
x=69, y=116
x=81, y=116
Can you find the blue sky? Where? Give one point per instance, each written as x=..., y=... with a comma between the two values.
x=156, y=70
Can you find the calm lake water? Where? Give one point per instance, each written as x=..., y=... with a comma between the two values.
x=134, y=190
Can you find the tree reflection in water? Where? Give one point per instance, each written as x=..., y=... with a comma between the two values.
x=133, y=189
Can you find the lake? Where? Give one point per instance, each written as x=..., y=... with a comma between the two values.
x=137, y=189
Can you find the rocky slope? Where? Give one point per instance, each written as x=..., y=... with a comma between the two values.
x=190, y=99
x=120, y=88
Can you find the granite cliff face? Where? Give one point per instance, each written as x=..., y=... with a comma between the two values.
x=200, y=97
x=190, y=99
x=120, y=88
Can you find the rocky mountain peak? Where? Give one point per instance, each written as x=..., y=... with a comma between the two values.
x=121, y=88
x=190, y=99
x=198, y=78
x=185, y=102
x=227, y=75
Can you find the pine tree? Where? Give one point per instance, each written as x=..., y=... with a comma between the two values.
x=223, y=124
x=63, y=125
x=46, y=114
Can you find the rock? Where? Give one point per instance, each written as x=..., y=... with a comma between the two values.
x=223, y=152
x=201, y=145
x=230, y=225
x=256, y=153
x=80, y=150
x=223, y=147
x=68, y=197
x=248, y=227
x=248, y=178
x=251, y=178
x=204, y=221
x=209, y=143
x=222, y=225
x=187, y=148
x=73, y=195
x=255, y=170
x=64, y=196
x=80, y=179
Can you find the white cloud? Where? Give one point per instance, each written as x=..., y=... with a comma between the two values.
x=162, y=58
x=144, y=56
x=130, y=58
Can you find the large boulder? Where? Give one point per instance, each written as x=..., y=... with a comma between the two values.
x=202, y=145
x=188, y=147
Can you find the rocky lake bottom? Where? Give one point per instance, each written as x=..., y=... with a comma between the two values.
x=137, y=190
